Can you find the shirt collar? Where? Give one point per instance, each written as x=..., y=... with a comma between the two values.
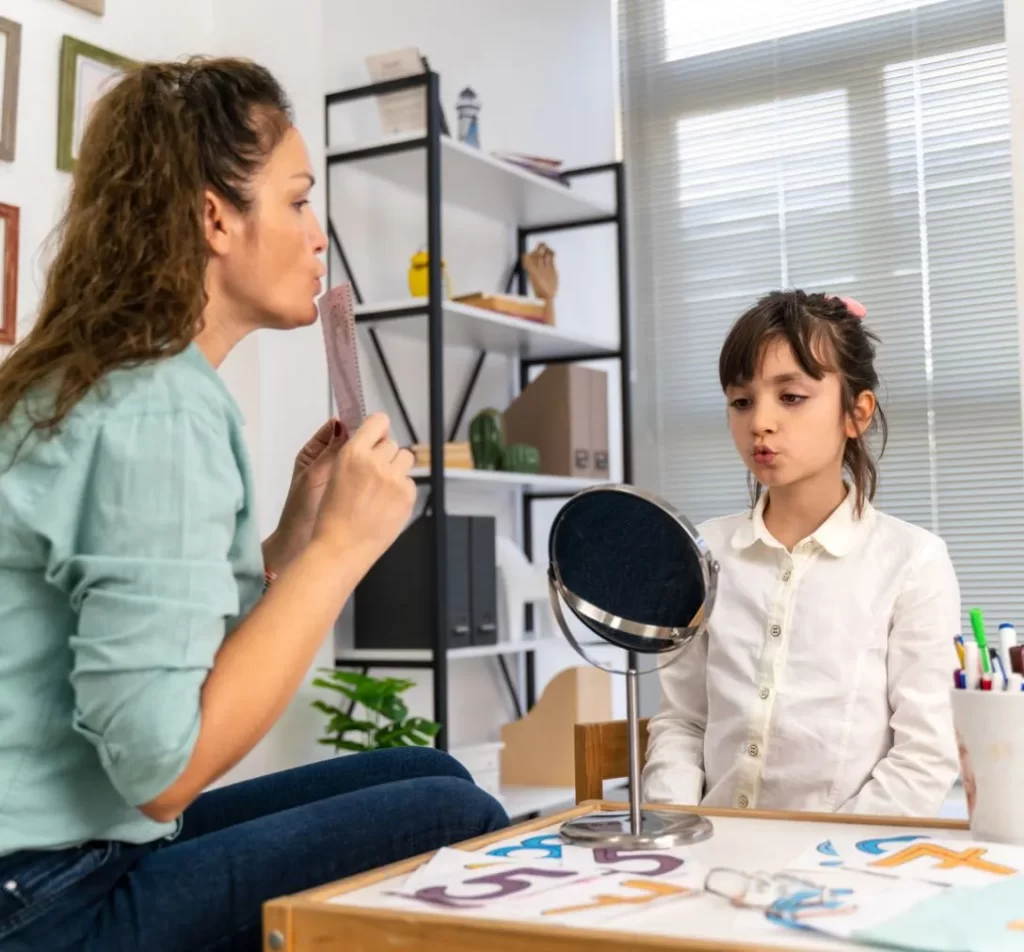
x=837, y=535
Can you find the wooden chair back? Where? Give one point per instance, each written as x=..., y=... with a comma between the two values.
x=602, y=753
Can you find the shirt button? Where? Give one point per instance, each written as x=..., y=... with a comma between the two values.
x=763, y=693
x=743, y=801
x=752, y=750
x=775, y=631
x=787, y=575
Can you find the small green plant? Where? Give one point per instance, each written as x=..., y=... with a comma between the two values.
x=384, y=718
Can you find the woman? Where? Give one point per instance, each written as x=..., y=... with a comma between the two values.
x=146, y=641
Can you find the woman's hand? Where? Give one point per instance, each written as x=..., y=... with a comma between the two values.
x=312, y=470
x=369, y=494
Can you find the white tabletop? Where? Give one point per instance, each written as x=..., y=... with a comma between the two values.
x=749, y=844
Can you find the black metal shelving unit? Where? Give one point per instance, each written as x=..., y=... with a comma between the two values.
x=433, y=311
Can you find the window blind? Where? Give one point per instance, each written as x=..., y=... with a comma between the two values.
x=856, y=146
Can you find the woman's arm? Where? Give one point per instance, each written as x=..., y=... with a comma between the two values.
x=168, y=702
x=674, y=772
x=256, y=671
x=916, y=775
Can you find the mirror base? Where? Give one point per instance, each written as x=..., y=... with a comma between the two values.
x=658, y=830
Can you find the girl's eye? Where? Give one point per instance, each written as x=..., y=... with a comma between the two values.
x=298, y=205
x=793, y=399
x=740, y=403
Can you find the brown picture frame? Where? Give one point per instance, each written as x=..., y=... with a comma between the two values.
x=91, y=6
x=10, y=217
x=9, y=104
x=72, y=50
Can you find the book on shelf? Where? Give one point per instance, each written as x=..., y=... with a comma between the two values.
x=511, y=305
x=456, y=455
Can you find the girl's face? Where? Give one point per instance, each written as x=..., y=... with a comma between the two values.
x=788, y=427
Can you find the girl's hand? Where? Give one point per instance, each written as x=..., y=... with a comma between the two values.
x=369, y=494
x=309, y=480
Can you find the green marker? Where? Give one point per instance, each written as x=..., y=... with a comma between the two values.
x=978, y=626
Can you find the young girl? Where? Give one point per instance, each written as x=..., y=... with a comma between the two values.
x=822, y=680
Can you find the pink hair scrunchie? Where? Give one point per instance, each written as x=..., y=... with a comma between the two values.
x=855, y=308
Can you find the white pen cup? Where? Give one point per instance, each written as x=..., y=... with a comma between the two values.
x=990, y=736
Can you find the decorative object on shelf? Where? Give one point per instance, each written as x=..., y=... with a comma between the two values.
x=539, y=265
x=392, y=602
x=10, y=217
x=10, y=57
x=86, y=72
x=383, y=720
x=635, y=573
x=564, y=413
x=486, y=437
x=520, y=458
x=512, y=305
x=468, y=109
x=92, y=6
x=483, y=761
x=576, y=695
x=456, y=455
x=419, y=275
x=521, y=583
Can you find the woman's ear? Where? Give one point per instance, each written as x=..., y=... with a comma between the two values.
x=860, y=419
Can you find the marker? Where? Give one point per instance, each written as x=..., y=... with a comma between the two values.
x=978, y=626
x=997, y=662
x=1016, y=683
x=958, y=641
x=1007, y=639
x=1017, y=659
x=986, y=682
x=958, y=678
x=971, y=665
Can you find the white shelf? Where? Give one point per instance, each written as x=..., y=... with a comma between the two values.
x=475, y=180
x=455, y=654
x=494, y=479
x=466, y=326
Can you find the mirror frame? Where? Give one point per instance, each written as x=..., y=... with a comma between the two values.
x=586, y=611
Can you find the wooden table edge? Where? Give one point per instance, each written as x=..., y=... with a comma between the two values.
x=278, y=914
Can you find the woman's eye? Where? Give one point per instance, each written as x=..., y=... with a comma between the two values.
x=298, y=205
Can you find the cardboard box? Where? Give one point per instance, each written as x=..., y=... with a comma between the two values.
x=564, y=413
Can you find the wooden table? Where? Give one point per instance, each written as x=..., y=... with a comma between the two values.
x=347, y=916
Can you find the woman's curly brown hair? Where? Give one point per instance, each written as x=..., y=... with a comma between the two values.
x=126, y=284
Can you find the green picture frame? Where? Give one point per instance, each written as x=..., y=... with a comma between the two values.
x=82, y=65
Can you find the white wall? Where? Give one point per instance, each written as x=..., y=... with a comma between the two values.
x=545, y=75
x=142, y=29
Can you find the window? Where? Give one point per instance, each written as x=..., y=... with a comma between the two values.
x=856, y=146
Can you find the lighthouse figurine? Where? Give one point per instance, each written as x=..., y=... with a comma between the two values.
x=468, y=109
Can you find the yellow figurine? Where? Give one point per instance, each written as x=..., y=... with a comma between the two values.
x=419, y=275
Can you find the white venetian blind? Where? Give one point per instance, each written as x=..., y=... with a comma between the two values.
x=853, y=146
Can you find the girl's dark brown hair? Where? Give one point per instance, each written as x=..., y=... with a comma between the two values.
x=126, y=284
x=825, y=338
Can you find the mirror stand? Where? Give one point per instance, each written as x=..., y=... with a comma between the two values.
x=638, y=828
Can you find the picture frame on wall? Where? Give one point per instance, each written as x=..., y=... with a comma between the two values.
x=86, y=73
x=10, y=68
x=9, y=227
x=93, y=6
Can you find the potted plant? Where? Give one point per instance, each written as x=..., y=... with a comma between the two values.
x=375, y=716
